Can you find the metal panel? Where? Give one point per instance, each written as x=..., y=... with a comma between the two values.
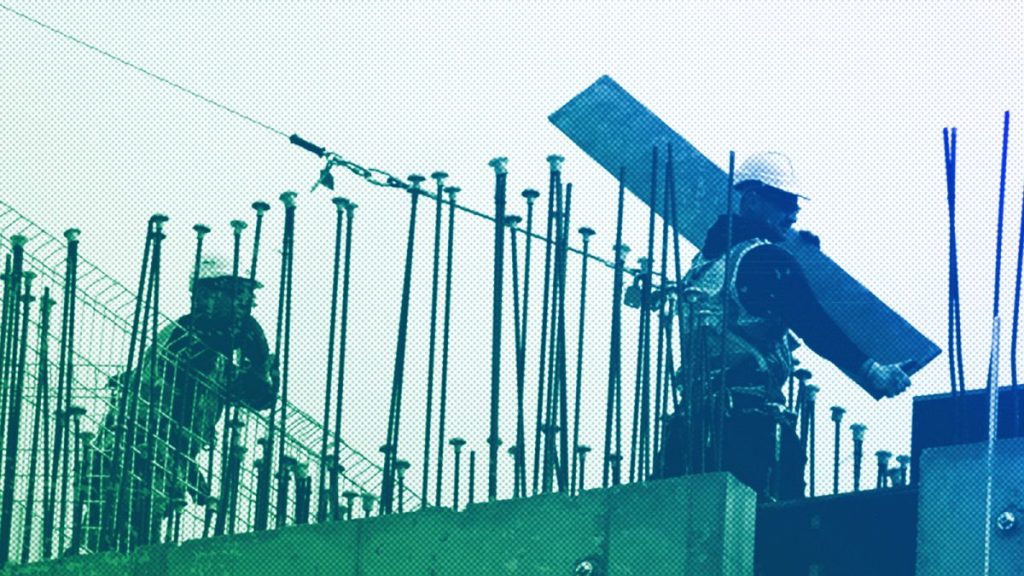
x=617, y=131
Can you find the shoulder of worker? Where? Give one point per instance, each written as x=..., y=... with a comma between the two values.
x=716, y=243
x=767, y=264
x=175, y=335
x=252, y=340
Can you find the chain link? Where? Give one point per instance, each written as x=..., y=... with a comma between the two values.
x=385, y=179
x=374, y=176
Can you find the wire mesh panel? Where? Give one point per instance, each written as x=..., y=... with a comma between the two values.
x=131, y=436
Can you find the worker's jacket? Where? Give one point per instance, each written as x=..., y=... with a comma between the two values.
x=170, y=409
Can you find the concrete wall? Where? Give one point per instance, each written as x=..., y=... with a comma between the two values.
x=952, y=527
x=697, y=525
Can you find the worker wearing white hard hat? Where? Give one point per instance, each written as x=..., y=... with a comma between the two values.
x=769, y=189
x=768, y=300
x=215, y=356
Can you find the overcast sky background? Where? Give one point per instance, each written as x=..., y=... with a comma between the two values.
x=857, y=93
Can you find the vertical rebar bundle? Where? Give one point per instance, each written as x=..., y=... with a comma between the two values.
x=445, y=343
x=114, y=531
x=456, y=444
x=837, y=417
x=288, y=257
x=395, y=412
x=810, y=399
x=858, y=431
x=720, y=400
x=401, y=466
x=582, y=451
x=644, y=365
x=586, y=234
x=439, y=178
x=81, y=464
x=63, y=393
x=472, y=477
x=518, y=476
x=232, y=421
x=530, y=195
x=144, y=519
x=955, y=349
x=683, y=402
x=261, y=511
x=500, y=166
x=7, y=331
x=325, y=462
x=40, y=424
x=554, y=191
x=613, y=412
x=663, y=364
x=336, y=467
x=16, y=399
x=556, y=454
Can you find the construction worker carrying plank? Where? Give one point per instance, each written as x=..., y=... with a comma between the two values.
x=766, y=300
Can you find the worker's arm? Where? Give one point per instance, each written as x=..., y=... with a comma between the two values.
x=771, y=284
x=256, y=384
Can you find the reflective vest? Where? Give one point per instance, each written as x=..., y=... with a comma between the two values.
x=758, y=357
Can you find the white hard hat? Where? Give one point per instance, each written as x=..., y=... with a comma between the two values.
x=771, y=169
x=213, y=267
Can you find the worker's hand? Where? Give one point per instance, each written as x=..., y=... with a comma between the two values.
x=888, y=379
x=256, y=384
x=809, y=238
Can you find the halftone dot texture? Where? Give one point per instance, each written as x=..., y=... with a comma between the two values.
x=855, y=94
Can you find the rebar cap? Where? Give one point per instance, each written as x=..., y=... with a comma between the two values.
x=837, y=413
x=812, y=392
x=500, y=165
x=288, y=198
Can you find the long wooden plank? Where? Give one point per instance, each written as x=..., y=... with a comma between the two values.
x=616, y=130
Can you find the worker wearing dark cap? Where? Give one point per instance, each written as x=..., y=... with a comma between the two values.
x=769, y=299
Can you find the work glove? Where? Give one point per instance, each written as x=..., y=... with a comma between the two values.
x=887, y=379
x=809, y=238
